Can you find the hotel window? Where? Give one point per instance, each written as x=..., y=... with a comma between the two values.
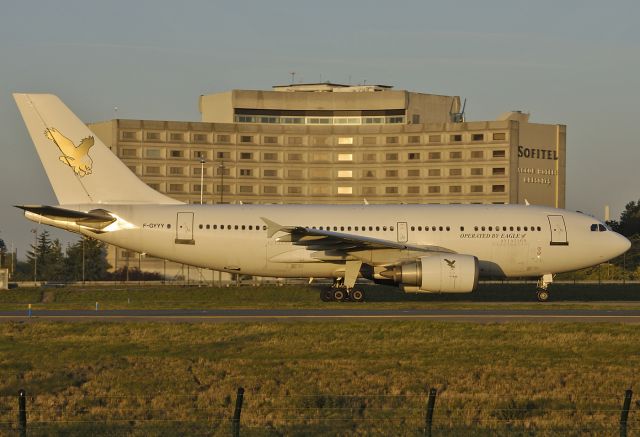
x=369, y=190
x=199, y=154
x=319, y=141
x=270, y=156
x=294, y=141
x=268, y=119
x=246, y=172
x=223, y=171
x=294, y=157
x=498, y=171
x=477, y=172
x=497, y=188
x=199, y=138
x=246, y=155
x=176, y=154
x=434, y=155
x=392, y=140
x=434, y=189
x=153, y=136
x=415, y=118
x=434, y=138
x=320, y=156
x=319, y=173
x=413, y=173
x=477, y=137
x=197, y=171
x=345, y=140
x=345, y=157
x=176, y=188
x=270, y=173
x=223, y=155
x=345, y=190
x=455, y=172
x=223, y=138
x=414, y=139
x=499, y=136
x=175, y=171
x=499, y=154
x=128, y=135
x=271, y=140
x=154, y=186
x=152, y=170
x=391, y=190
x=129, y=153
x=132, y=168
x=294, y=174
x=369, y=157
x=413, y=190
x=246, y=139
x=476, y=189
x=455, y=155
x=294, y=190
x=434, y=172
x=245, y=189
x=198, y=187
x=173, y=136
x=345, y=173
x=391, y=173
x=391, y=156
x=270, y=189
x=455, y=188
x=395, y=120
x=369, y=174
x=413, y=156
x=223, y=188
x=477, y=154
x=455, y=138
x=369, y=141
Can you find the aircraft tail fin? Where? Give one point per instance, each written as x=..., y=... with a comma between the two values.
x=80, y=168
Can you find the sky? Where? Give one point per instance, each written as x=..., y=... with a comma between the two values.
x=569, y=62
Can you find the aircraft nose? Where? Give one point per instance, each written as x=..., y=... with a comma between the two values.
x=622, y=244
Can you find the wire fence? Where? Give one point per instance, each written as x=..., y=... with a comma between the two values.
x=253, y=413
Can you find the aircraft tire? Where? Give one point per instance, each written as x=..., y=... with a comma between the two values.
x=357, y=295
x=542, y=295
x=326, y=295
x=339, y=295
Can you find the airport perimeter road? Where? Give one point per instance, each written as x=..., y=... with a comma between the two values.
x=346, y=315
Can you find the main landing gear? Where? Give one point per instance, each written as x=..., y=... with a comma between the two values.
x=542, y=292
x=339, y=292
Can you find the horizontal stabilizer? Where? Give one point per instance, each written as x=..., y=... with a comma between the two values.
x=96, y=218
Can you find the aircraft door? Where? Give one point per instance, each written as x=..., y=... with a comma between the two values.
x=403, y=233
x=558, y=231
x=184, y=228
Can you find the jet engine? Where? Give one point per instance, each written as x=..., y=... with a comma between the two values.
x=437, y=273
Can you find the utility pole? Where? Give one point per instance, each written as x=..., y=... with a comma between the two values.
x=35, y=256
x=201, y=178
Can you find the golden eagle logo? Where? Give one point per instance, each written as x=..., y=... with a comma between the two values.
x=76, y=157
x=451, y=263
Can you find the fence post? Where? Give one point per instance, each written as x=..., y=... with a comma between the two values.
x=236, y=414
x=428, y=420
x=22, y=412
x=625, y=412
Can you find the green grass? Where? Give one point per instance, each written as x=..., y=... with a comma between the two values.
x=318, y=378
x=162, y=297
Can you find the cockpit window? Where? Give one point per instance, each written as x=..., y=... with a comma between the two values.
x=602, y=228
x=598, y=227
x=594, y=227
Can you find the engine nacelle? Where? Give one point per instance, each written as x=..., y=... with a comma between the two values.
x=437, y=273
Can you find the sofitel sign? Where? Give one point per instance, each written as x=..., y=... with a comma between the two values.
x=526, y=152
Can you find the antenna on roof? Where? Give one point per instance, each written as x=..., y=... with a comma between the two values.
x=293, y=76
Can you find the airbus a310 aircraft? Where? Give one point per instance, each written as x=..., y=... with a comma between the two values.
x=419, y=248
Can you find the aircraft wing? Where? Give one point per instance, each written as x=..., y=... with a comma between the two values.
x=316, y=239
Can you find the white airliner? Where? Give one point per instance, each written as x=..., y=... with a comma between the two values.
x=420, y=248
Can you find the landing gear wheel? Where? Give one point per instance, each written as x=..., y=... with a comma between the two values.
x=357, y=295
x=326, y=295
x=339, y=295
x=543, y=295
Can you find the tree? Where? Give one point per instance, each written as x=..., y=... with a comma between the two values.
x=47, y=254
x=94, y=254
x=629, y=223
